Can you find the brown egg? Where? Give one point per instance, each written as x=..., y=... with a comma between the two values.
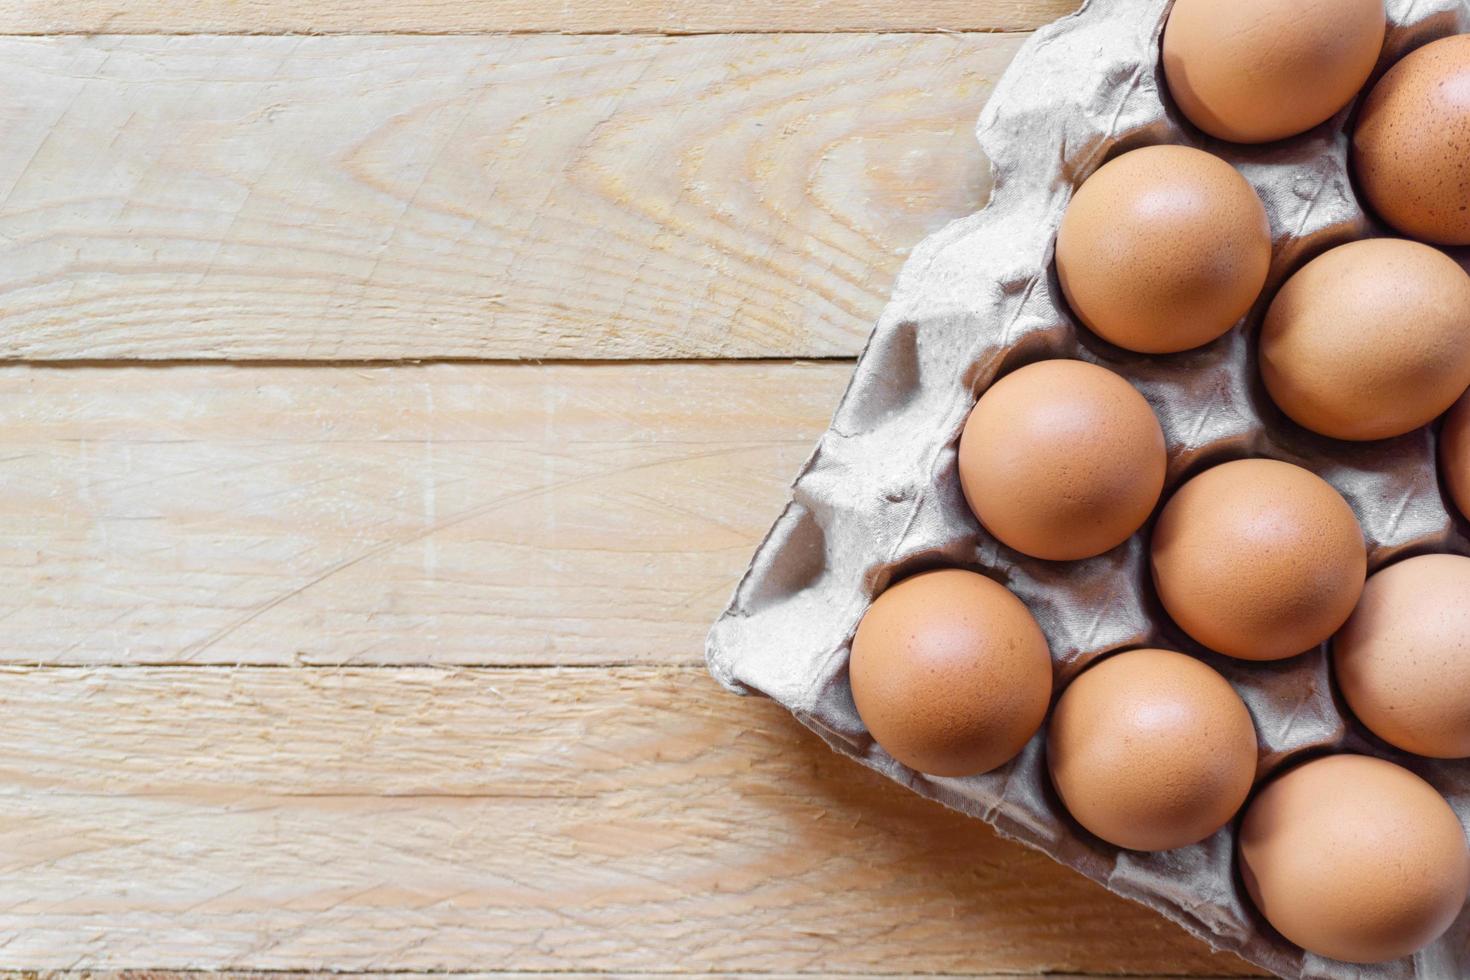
x=1151, y=750
x=1403, y=659
x=1354, y=858
x=1062, y=460
x=950, y=673
x=1411, y=149
x=1258, y=559
x=1369, y=340
x=1454, y=454
x=1252, y=71
x=1163, y=249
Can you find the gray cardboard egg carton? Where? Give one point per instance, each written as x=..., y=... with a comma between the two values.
x=880, y=498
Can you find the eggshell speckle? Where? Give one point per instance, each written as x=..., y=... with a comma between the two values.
x=1258, y=559
x=1151, y=750
x=1369, y=340
x=1454, y=454
x=1354, y=858
x=950, y=673
x=1403, y=659
x=1411, y=148
x=1252, y=71
x=1163, y=249
x=1062, y=460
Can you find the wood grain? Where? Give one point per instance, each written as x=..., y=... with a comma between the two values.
x=568, y=16
x=615, y=819
x=348, y=198
x=387, y=198
x=479, y=514
x=148, y=974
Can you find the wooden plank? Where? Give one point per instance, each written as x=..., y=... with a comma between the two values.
x=474, y=514
x=351, y=198
x=519, y=16
x=538, y=975
x=625, y=819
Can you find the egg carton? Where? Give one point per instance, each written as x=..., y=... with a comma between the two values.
x=880, y=499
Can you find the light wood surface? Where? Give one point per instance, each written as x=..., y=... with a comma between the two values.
x=399, y=197
x=420, y=818
x=523, y=975
x=448, y=513
x=520, y=16
x=318, y=664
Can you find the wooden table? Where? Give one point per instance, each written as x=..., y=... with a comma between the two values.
x=387, y=415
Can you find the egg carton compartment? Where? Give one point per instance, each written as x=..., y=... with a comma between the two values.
x=880, y=498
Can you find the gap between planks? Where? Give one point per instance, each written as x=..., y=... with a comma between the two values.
x=144, y=973
x=155, y=364
x=174, y=17
x=566, y=974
